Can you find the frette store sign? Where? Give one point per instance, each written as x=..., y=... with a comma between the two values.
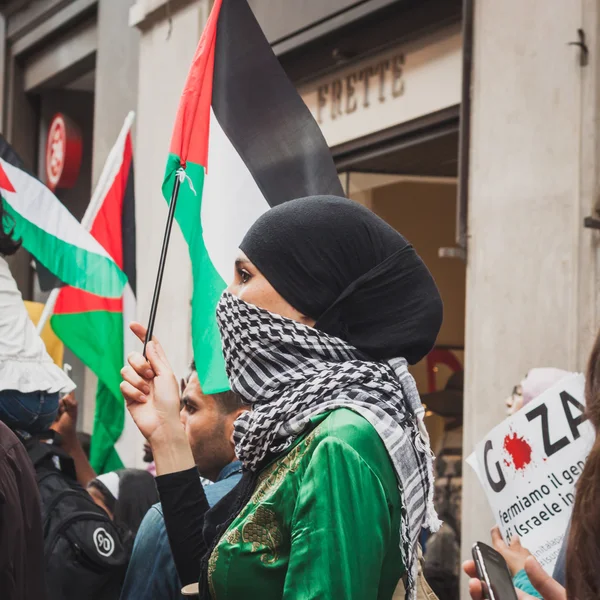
x=388, y=89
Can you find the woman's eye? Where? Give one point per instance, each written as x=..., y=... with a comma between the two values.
x=244, y=276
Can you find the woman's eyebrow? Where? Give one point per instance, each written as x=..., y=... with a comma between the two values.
x=188, y=400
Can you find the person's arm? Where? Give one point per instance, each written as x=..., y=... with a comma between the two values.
x=151, y=572
x=66, y=426
x=184, y=505
x=341, y=528
x=152, y=395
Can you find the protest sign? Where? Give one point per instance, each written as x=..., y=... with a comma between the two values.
x=529, y=465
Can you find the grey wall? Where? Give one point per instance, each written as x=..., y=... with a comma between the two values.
x=116, y=76
x=116, y=90
x=532, y=267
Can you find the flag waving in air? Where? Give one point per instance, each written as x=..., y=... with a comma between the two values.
x=243, y=141
x=52, y=234
x=95, y=328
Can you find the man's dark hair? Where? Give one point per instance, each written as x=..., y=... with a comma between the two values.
x=228, y=401
x=8, y=245
x=137, y=493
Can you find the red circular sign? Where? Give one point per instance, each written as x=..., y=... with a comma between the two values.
x=63, y=153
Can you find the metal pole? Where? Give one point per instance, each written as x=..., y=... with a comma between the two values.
x=48, y=310
x=163, y=259
x=462, y=236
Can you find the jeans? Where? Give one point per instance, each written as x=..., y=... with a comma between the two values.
x=32, y=412
x=151, y=572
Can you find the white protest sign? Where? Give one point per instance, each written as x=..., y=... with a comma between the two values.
x=529, y=464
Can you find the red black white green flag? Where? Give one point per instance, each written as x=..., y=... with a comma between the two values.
x=94, y=328
x=244, y=141
x=51, y=234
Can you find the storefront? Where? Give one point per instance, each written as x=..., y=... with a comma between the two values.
x=392, y=123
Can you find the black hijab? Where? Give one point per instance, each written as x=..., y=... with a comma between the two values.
x=338, y=263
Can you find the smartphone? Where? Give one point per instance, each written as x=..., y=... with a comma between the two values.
x=494, y=574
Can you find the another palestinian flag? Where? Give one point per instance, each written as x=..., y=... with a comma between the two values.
x=244, y=141
x=51, y=233
x=95, y=328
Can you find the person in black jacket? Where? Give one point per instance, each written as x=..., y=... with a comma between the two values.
x=21, y=541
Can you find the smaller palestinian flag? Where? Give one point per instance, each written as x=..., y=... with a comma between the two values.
x=244, y=141
x=94, y=328
x=52, y=234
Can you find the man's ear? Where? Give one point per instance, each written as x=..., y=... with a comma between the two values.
x=234, y=415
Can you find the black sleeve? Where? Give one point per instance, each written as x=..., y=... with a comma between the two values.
x=184, y=505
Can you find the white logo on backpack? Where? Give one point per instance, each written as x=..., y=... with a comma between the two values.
x=104, y=542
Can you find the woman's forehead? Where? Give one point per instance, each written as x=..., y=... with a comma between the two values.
x=240, y=257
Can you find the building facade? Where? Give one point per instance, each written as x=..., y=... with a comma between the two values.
x=473, y=133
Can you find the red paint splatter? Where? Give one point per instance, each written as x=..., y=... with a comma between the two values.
x=506, y=463
x=519, y=450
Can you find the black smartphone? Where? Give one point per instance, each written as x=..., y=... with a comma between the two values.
x=494, y=574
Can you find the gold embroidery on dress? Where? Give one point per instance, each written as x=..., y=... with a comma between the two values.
x=261, y=529
x=233, y=537
x=272, y=477
x=212, y=565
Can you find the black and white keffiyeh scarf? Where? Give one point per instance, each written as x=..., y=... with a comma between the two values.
x=289, y=373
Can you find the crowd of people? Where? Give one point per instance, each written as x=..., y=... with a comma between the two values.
x=312, y=477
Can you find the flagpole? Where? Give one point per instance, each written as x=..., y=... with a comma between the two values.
x=106, y=174
x=163, y=256
x=48, y=310
x=92, y=209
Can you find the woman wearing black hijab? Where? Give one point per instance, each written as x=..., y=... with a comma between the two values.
x=328, y=306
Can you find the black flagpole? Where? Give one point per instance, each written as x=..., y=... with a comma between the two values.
x=163, y=260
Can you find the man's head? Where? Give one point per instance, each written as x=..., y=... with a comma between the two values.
x=208, y=421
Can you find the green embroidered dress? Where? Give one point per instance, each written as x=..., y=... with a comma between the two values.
x=323, y=522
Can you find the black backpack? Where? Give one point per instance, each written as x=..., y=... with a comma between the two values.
x=86, y=555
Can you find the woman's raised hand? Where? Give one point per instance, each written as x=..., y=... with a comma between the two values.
x=151, y=391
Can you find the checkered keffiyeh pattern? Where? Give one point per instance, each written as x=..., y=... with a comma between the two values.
x=289, y=373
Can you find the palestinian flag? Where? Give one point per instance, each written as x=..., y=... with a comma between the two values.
x=51, y=233
x=95, y=328
x=243, y=142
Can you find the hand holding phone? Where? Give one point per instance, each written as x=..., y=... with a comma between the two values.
x=493, y=572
